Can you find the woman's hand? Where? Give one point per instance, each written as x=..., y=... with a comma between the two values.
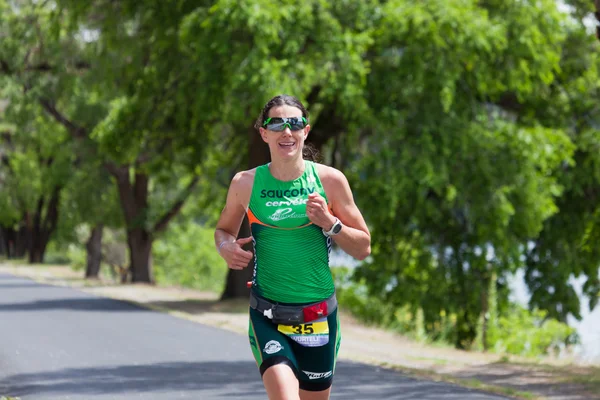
x=318, y=212
x=235, y=256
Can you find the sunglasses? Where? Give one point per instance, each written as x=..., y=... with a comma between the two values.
x=279, y=124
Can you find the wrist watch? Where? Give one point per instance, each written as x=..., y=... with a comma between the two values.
x=335, y=229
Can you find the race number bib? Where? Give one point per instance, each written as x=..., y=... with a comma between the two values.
x=313, y=334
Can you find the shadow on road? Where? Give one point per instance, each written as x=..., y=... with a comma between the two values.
x=79, y=304
x=20, y=285
x=196, y=307
x=211, y=380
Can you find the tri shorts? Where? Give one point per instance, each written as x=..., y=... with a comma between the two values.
x=309, y=349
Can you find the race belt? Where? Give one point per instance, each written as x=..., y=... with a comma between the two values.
x=293, y=314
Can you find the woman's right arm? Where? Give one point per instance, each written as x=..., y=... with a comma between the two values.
x=230, y=220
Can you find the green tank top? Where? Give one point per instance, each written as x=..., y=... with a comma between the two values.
x=291, y=253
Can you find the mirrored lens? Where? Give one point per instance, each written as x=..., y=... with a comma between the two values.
x=277, y=127
x=279, y=124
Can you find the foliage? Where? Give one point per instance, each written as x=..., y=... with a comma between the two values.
x=185, y=256
x=518, y=331
x=563, y=248
x=57, y=255
x=531, y=333
x=244, y=54
x=77, y=256
x=461, y=182
x=37, y=155
x=120, y=86
x=37, y=159
x=90, y=197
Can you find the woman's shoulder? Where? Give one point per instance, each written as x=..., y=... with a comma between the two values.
x=243, y=180
x=249, y=173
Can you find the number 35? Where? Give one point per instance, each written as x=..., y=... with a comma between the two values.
x=303, y=329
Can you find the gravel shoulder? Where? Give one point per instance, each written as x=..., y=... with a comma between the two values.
x=518, y=378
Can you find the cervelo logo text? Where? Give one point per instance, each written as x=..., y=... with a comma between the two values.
x=284, y=194
x=288, y=202
x=317, y=375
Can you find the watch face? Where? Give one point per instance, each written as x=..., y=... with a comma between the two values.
x=337, y=228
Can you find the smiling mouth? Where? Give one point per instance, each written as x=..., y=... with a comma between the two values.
x=287, y=145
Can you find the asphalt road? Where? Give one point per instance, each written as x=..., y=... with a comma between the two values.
x=60, y=343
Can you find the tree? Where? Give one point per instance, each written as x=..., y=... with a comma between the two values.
x=11, y=233
x=89, y=200
x=124, y=56
x=462, y=180
x=36, y=171
x=564, y=249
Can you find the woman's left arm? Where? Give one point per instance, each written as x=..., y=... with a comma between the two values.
x=354, y=237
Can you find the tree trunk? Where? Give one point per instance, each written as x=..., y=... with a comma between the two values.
x=466, y=328
x=94, y=252
x=236, y=283
x=484, y=315
x=37, y=246
x=21, y=242
x=140, y=249
x=8, y=241
x=15, y=241
x=134, y=202
x=41, y=228
x=3, y=242
x=36, y=254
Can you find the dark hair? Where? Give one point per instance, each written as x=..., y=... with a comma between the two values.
x=309, y=152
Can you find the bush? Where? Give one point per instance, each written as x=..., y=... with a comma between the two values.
x=55, y=255
x=186, y=256
x=77, y=256
x=354, y=298
x=518, y=331
x=530, y=333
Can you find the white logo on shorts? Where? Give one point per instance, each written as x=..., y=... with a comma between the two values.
x=272, y=346
x=317, y=375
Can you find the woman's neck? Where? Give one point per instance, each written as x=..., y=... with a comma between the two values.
x=287, y=170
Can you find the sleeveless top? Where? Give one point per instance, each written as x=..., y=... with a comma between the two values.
x=291, y=253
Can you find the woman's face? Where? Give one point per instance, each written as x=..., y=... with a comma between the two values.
x=287, y=143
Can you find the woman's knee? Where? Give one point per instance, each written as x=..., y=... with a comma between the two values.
x=281, y=382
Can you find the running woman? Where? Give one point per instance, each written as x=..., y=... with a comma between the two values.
x=296, y=208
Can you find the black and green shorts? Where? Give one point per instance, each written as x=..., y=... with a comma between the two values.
x=309, y=349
